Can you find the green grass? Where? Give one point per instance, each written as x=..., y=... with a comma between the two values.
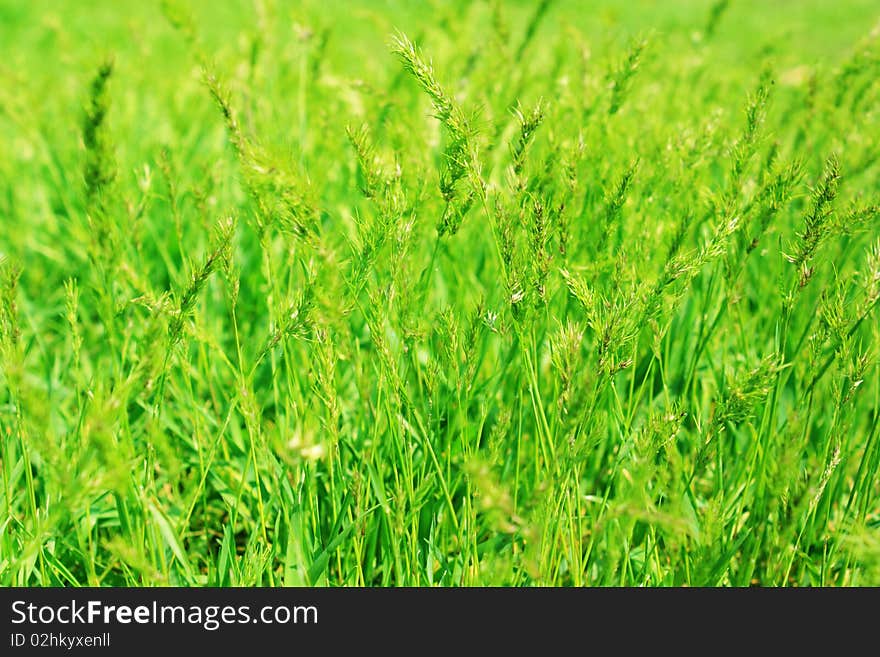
x=475, y=293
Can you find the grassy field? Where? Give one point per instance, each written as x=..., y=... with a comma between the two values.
x=442, y=293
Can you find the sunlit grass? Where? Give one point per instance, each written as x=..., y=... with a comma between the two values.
x=486, y=294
